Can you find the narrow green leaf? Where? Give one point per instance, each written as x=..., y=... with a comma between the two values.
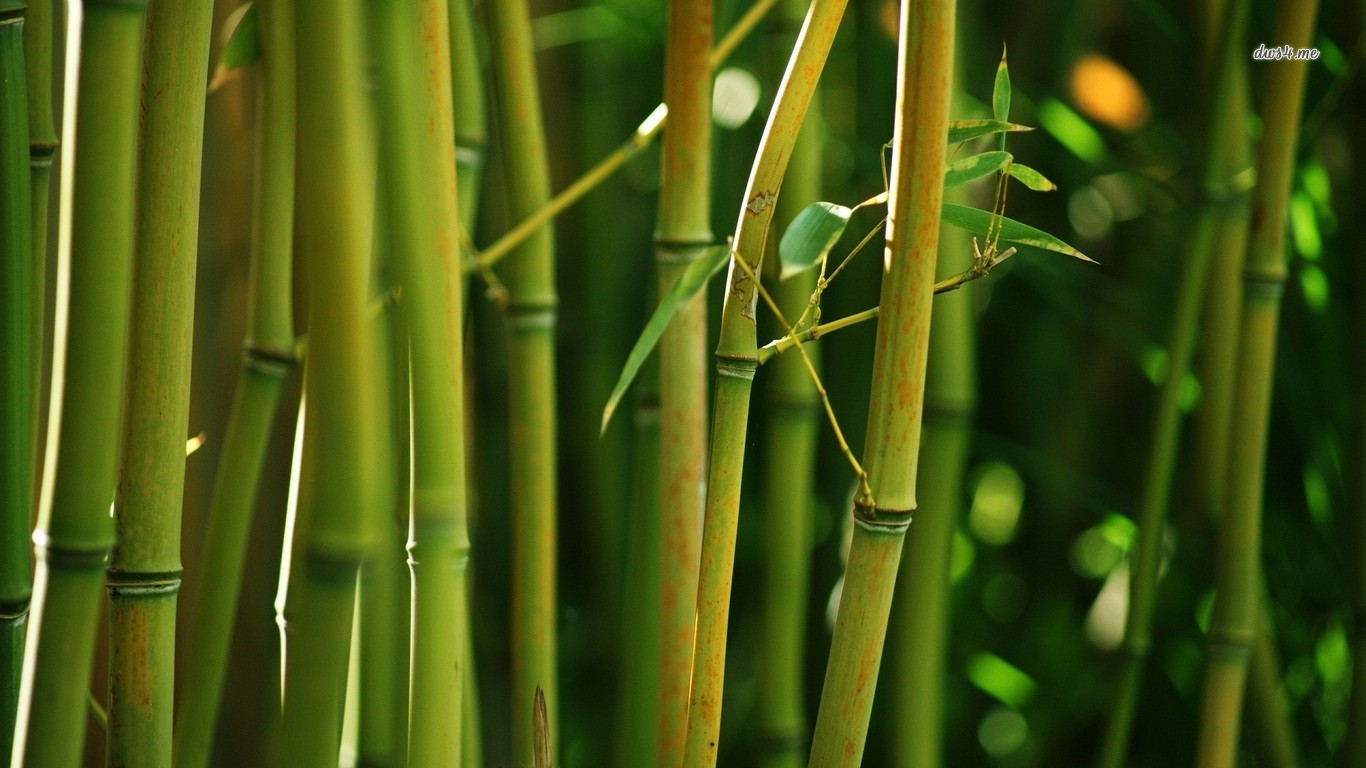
x=978, y=222
x=693, y=279
x=1031, y=178
x=811, y=235
x=975, y=167
x=966, y=130
x=243, y=46
x=1000, y=97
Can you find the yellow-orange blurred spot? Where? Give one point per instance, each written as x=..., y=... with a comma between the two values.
x=1106, y=92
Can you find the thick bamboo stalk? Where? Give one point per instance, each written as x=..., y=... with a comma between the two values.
x=94, y=272
x=736, y=361
x=144, y=567
x=422, y=211
x=1233, y=624
x=266, y=363
x=18, y=334
x=342, y=485
x=891, y=450
x=794, y=418
x=1226, y=163
x=683, y=232
x=531, y=317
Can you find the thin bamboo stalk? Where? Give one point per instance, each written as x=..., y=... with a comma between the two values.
x=1233, y=625
x=531, y=317
x=17, y=336
x=144, y=567
x=736, y=361
x=638, y=706
x=919, y=623
x=471, y=138
x=793, y=407
x=42, y=142
x=266, y=363
x=1226, y=162
x=891, y=450
x=104, y=58
x=683, y=232
x=422, y=210
x=342, y=483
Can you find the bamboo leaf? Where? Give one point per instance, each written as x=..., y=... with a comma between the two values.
x=968, y=168
x=693, y=279
x=978, y=222
x=243, y=46
x=1031, y=178
x=966, y=130
x=811, y=235
x=1000, y=92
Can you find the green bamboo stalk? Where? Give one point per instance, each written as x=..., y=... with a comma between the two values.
x=144, y=567
x=637, y=716
x=342, y=487
x=266, y=363
x=736, y=360
x=919, y=623
x=891, y=450
x=422, y=209
x=531, y=316
x=1226, y=156
x=42, y=147
x=682, y=233
x=94, y=273
x=471, y=138
x=17, y=336
x=385, y=598
x=1233, y=625
x=793, y=407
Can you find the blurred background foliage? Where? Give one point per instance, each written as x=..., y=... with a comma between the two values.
x=1068, y=357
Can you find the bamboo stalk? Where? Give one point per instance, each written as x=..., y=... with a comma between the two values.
x=18, y=335
x=471, y=138
x=144, y=567
x=42, y=144
x=342, y=487
x=891, y=450
x=104, y=57
x=919, y=623
x=793, y=407
x=266, y=363
x=531, y=317
x=422, y=209
x=1233, y=624
x=736, y=361
x=1226, y=202
x=637, y=735
x=683, y=232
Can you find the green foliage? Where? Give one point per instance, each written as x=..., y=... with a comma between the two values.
x=692, y=281
x=242, y=31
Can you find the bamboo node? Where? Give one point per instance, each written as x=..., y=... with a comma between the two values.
x=875, y=519
x=1230, y=646
x=736, y=367
x=681, y=250
x=14, y=611
x=1264, y=280
x=64, y=556
x=271, y=361
x=136, y=584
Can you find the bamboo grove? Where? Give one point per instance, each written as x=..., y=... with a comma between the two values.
x=447, y=383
